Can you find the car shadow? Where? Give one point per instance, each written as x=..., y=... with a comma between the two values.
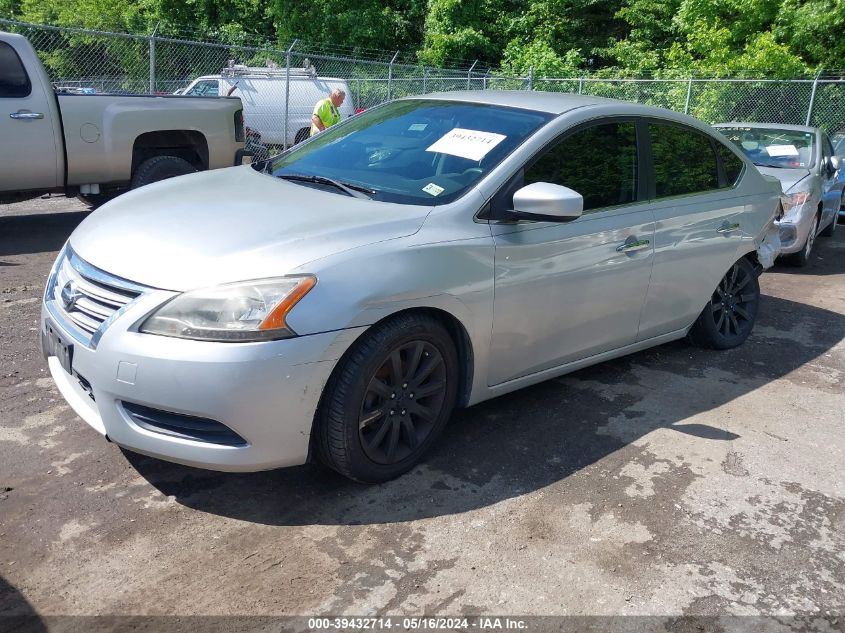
x=36, y=233
x=529, y=439
x=16, y=613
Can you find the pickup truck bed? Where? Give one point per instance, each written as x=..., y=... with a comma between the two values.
x=98, y=145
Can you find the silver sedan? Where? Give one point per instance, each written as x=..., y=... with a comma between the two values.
x=803, y=159
x=338, y=301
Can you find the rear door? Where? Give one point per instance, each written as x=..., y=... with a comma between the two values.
x=29, y=157
x=566, y=291
x=698, y=223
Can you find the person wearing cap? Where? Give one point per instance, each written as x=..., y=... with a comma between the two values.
x=326, y=112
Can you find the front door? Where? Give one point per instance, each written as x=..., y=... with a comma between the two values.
x=572, y=290
x=29, y=157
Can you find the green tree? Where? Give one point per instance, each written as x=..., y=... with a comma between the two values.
x=366, y=24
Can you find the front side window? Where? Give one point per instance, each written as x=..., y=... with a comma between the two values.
x=599, y=162
x=684, y=160
x=204, y=89
x=769, y=147
x=415, y=151
x=14, y=82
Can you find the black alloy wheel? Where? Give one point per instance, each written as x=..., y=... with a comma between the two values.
x=403, y=402
x=388, y=399
x=731, y=309
x=728, y=318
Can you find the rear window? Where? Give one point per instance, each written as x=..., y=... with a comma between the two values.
x=14, y=82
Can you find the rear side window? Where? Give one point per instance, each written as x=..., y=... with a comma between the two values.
x=684, y=160
x=14, y=81
x=730, y=163
x=599, y=162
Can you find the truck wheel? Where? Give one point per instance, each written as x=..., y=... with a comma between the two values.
x=301, y=135
x=160, y=168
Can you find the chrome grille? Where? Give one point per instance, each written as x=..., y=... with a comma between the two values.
x=86, y=297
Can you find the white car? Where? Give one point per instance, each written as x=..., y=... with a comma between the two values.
x=802, y=158
x=263, y=94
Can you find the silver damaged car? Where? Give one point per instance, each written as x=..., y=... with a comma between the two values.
x=811, y=175
x=338, y=301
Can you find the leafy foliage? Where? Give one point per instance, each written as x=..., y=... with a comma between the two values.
x=670, y=38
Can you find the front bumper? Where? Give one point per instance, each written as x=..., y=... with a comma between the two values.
x=265, y=392
x=794, y=232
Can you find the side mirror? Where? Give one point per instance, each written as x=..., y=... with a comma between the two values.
x=836, y=163
x=546, y=202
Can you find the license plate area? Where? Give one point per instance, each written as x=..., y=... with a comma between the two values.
x=57, y=346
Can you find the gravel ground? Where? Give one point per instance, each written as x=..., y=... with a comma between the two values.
x=673, y=482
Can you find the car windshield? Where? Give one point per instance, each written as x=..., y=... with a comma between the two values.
x=414, y=151
x=774, y=148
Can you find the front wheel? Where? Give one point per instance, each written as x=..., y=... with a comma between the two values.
x=728, y=318
x=388, y=400
x=802, y=257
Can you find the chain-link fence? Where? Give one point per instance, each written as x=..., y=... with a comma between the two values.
x=279, y=86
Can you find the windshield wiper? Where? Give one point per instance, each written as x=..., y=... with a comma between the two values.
x=356, y=191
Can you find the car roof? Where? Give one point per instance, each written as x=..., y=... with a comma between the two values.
x=560, y=102
x=551, y=102
x=769, y=126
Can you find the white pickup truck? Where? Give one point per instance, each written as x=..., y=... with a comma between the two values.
x=98, y=145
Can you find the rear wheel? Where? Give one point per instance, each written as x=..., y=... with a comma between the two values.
x=729, y=316
x=160, y=168
x=388, y=400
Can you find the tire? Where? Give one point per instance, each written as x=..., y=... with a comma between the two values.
x=729, y=316
x=160, y=168
x=371, y=426
x=802, y=257
x=301, y=135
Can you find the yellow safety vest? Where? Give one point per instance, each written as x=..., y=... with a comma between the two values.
x=327, y=113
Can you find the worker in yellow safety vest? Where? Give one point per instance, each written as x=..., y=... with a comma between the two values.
x=326, y=113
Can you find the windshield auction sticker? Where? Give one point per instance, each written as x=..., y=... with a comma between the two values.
x=782, y=150
x=470, y=144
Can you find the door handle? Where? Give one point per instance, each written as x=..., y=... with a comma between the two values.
x=26, y=115
x=728, y=228
x=629, y=247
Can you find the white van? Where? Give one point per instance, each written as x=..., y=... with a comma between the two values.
x=262, y=92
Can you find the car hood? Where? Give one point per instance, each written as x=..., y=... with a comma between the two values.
x=230, y=225
x=788, y=177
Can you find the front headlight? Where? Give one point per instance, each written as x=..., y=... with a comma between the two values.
x=792, y=203
x=240, y=312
